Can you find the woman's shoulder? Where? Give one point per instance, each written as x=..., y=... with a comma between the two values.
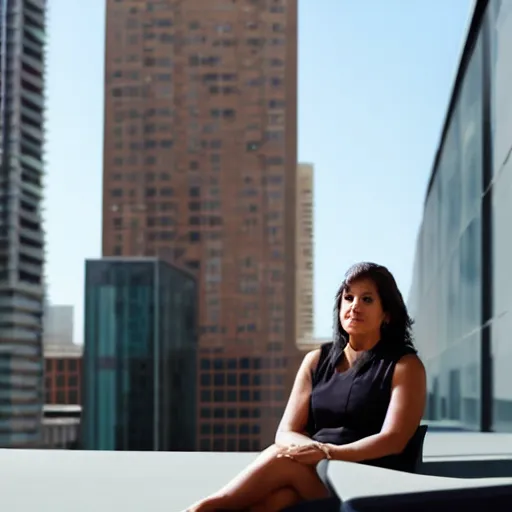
x=397, y=351
x=318, y=358
x=319, y=352
x=410, y=359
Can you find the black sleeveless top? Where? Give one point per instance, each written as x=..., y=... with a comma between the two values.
x=347, y=406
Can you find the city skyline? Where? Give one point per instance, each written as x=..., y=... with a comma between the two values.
x=354, y=111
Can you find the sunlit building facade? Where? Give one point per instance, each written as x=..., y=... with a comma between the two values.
x=140, y=356
x=200, y=169
x=304, y=258
x=461, y=295
x=22, y=83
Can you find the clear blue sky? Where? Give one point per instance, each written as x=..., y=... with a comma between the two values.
x=374, y=82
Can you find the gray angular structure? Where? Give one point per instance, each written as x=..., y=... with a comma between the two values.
x=22, y=66
x=461, y=297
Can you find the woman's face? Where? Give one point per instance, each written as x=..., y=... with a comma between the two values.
x=361, y=310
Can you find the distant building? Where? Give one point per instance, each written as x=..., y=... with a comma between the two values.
x=140, y=356
x=200, y=169
x=461, y=295
x=22, y=112
x=304, y=255
x=63, y=374
x=58, y=324
x=61, y=427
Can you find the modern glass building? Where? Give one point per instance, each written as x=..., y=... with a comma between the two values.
x=22, y=66
x=139, y=374
x=461, y=296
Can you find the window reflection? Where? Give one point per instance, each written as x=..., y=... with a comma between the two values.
x=446, y=292
x=499, y=17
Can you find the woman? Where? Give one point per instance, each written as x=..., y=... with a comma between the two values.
x=359, y=399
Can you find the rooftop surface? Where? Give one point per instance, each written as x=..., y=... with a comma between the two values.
x=59, y=481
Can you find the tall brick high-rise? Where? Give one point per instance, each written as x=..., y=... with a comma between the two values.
x=200, y=169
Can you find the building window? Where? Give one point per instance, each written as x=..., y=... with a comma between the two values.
x=218, y=445
x=243, y=445
x=194, y=236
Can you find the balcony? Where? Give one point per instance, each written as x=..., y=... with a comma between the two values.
x=32, y=131
x=36, y=17
x=30, y=216
x=35, y=99
x=32, y=190
x=29, y=161
x=460, y=470
x=36, y=33
x=36, y=117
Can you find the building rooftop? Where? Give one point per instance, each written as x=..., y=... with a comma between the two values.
x=63, y=480
x=60, y=350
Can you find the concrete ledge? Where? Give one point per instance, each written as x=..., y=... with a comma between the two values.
x=355, y=481
x=466, y=444
x=59, y=481
x=467, y=455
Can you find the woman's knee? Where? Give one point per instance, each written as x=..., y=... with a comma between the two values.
x=273, y=448
x=270, y=453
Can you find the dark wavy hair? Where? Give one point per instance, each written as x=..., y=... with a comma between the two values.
x=397, y=333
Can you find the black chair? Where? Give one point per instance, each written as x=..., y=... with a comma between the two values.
x=414, y=449
x=410, y=460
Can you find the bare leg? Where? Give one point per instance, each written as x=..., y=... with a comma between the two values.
x=278, y=500
x=266, y=475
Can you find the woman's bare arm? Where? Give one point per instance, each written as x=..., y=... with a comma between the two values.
x=295, y=417
x=408, y=397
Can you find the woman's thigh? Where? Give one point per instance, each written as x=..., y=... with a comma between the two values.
x=269, y=474
x=302, y=478
x=278, y=500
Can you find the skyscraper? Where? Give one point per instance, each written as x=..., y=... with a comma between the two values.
x=200, y=169
x=22, y=41
x=304, y=261
x=139, y=379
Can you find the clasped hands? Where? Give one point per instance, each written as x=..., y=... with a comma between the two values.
x=308, y=454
